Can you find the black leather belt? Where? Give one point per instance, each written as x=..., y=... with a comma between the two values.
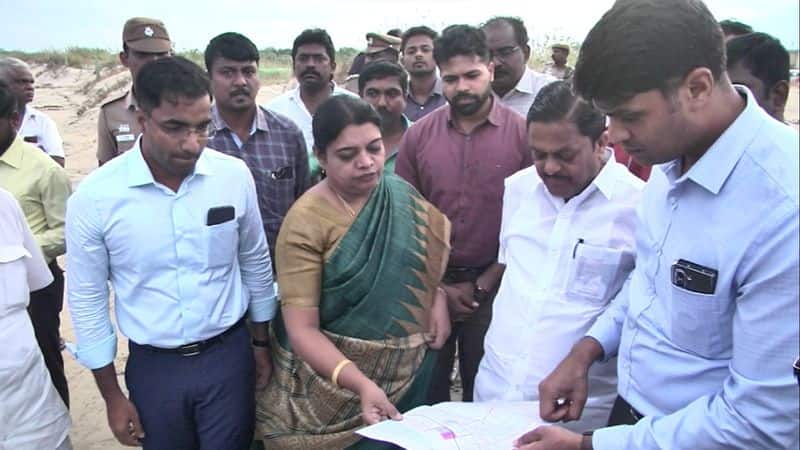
x=456, y=274
x=195, y=348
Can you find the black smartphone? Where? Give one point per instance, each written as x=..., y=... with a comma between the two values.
x=694, y=277
x=284, y=173
x=219, y=214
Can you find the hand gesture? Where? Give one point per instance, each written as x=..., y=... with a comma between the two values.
x=562, y=394
x=375, y=406
x=549, y=437
x=124, y=421
x=461, y=299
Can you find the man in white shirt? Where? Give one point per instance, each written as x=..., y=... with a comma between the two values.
x=175, y=227
x=36, y=127
x=514, y=82
x=567, y=240
x=313, y=65
x=32, y=415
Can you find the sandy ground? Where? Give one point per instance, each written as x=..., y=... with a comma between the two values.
x=72, y=98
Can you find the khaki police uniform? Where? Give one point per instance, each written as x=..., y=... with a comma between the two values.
x=376, y=43
x=117, y=127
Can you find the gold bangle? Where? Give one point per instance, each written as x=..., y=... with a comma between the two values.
x=338, y=370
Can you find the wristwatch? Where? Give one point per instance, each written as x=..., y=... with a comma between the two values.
x=481, y=295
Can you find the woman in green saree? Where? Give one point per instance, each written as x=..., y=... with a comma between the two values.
x=359, y=260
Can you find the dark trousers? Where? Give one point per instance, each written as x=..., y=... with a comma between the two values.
x=467, y=337
x=200, y=402
x=622, y=413
x=44, y=310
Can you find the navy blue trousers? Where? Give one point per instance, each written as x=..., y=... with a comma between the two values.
x=201, y=402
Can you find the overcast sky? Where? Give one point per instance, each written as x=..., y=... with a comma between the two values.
x=56, y=24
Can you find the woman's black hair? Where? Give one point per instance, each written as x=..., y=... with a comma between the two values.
x=335, y=114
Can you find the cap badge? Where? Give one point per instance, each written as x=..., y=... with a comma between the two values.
x=148, y=32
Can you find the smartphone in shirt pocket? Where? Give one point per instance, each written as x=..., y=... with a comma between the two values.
x=221, y=236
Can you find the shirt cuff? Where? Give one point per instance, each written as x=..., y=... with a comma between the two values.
x=608, y=335
x=96, y=355
x=611, y=437
x=264, y=310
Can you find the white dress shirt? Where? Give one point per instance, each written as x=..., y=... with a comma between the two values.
x=39, y=129
x=524, y=93
x=713, y=371
x=32, y=415
x=564, y=262
x=176, y=279
x=291, y=105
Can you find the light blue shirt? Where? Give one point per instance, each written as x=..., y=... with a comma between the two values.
x=714, y=371
x=176, y=280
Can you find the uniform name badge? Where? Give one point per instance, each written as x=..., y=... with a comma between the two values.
x=126, y=137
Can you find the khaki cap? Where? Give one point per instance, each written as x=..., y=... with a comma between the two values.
x=561, y=46
x=378, y=42
x=146, y=35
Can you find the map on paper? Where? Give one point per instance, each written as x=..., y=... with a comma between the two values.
x=459, y=426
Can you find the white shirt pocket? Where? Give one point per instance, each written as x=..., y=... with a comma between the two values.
x=222, y=244
x=593, y=272
x=13, y=278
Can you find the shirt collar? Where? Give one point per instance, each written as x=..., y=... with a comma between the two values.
x=715, y=166
x=139, y=172
x=525, y=82
x=606, y=179
x=130, y=101
x=259, y=121
x=13, y=154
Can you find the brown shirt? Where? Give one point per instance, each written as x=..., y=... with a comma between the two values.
x=463, y=175
x=117, y=127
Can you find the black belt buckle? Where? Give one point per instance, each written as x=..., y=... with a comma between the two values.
x=190, y=349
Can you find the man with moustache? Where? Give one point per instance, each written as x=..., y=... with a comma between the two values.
x=143, y=40
x=705, y=329
x=457, y=158
x=567, y=241
x=175, y=227
x=270, y=144
x=35, y=127
x=514, y=82
x=313, y=64
x=424, y=86
x=383, y=84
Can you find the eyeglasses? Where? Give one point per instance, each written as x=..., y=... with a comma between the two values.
x=182, y=131
x=503, y=52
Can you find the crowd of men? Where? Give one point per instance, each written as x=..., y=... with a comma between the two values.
x=639, y=315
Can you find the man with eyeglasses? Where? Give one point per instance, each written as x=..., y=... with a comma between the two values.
x=175, y=227
x=270, y=144
x=514, y=82
x=143, y=40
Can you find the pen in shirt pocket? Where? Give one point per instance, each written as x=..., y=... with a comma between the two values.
x=575, y=249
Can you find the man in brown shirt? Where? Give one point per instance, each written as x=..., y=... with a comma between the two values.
x=143, y=40
x=458, y=158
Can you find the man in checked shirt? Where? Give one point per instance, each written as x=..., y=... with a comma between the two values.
x=270, y=144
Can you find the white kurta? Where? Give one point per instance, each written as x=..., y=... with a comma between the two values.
x=32, y=415
x=564, y=262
